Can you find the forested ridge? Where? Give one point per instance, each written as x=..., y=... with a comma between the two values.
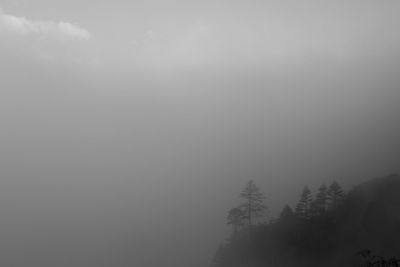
x=327, y=228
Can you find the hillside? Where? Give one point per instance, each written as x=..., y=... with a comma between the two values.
x=367, y=218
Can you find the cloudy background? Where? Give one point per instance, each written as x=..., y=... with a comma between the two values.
x=128, y=128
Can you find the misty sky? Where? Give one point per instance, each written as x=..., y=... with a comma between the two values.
x=128, y=128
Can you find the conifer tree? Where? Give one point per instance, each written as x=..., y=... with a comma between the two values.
x=253, y=205
x=335, y=194
x=303, y=208
x=321, y=200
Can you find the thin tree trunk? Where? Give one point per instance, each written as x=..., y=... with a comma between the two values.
x=249, y=212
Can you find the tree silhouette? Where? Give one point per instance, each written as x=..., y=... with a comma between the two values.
x=321, y=200
x=335, y=194
x=235, y=218
x=253, y=206
x=303, y=208
x=286, y=212
x=367, y=216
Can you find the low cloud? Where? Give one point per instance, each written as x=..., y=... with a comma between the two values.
x=44, y=41
x=61, y=31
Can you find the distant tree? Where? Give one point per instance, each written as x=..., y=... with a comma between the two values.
x=303, y=208
x=286, y=213
x=314, y=210
x=253, y=205
x=335, y=194
x=367, y=217
x=235, y=218
x=321, y=200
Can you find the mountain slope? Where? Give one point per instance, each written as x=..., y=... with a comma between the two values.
x=369, y=218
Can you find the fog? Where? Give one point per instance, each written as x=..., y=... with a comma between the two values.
x=129, y=130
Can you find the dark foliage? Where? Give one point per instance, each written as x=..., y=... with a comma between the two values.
x=325, y=232
x=370, y=260
x=236, y=218
x=304, y=207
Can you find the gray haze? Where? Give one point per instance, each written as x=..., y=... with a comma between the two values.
x=128, y=128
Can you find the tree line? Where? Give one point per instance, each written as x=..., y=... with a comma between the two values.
x=253, y=209
x=325, y=228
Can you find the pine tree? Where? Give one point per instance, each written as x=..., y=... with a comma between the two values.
x=335, y=194
x=303, y=208
x=253, y=206
x=321, y=200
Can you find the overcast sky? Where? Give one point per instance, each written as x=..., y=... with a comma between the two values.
x=128, y=128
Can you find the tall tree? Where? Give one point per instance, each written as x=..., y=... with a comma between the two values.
x=235, y=218
x=253, y=205
x=335, y=194
x=303, y=208
x=321, y=200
